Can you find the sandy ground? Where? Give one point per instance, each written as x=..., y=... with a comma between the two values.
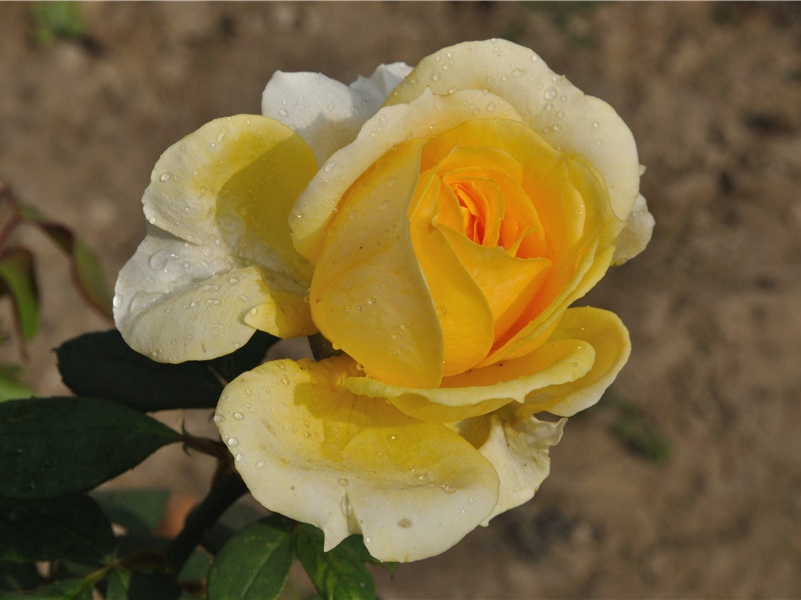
x=712, y=93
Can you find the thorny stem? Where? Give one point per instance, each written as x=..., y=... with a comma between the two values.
x=225, y=490
x=205, y=446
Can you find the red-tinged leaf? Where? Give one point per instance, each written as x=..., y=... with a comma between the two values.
x=17, y=279
x=86, y=270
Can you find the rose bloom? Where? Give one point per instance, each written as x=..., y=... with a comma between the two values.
x=434, y=224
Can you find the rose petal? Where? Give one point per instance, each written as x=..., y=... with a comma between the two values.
x=311, y=450
x=609, y=337
x=566, y=117
x=368, y=295
x=219, y=200
x=326, y=113
x=465, y=316
x=519, y=451
x=637, y=233
x=391, y=126
x=174, y=303
x=575, y=270
x=483, y=390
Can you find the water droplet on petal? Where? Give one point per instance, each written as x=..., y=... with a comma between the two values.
x=344, y=506
x=343, y=482
x=117, y=301
x=165, y=177
x=551, y=93
x=238, y=416
x=233, y=442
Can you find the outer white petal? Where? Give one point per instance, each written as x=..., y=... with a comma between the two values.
x=326, y=113
x=518, y=449
x=636, y=234
x=177, y=301
x=566, y=118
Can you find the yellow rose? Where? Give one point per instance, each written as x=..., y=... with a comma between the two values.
x=435, y=225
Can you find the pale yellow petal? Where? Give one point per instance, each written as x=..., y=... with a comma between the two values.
x=549, y=103
x=483, y=390
x=313, y=451
x=609, y=337
x=368, y=295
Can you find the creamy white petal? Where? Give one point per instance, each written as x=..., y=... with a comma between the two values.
x=326, y=113
x=636, y=234
x=518, y=450
x=175, y=301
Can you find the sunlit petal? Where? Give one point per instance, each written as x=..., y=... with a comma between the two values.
x=311, y=450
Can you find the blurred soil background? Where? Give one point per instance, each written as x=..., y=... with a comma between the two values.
x=685, y=481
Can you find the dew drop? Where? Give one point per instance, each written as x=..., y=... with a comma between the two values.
x=283, y=112
x=160, y=259
x=344, y=482
x=344, y=506
x=165, y=177
x=284, y=381
x=328, y=167
x=550, y=93
x=491, y=106
x=596, y=124
x=239, y=457
x=219, y=418
x=259, y=465
x=238, y=416
x=436, y=76
x=233, y=442
x=117, y=301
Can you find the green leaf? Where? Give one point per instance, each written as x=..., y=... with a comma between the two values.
x=66, y=589
x=17, y=278
x=58, y=19
x=338, y=573
x=641, y=436
x=253, y=564
x=18, y=576
x=139, y=511
x=102, y=365
x=74, y=528
x=138, y=585
x=51, y=447
x=248, y=357
x=10, y=385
